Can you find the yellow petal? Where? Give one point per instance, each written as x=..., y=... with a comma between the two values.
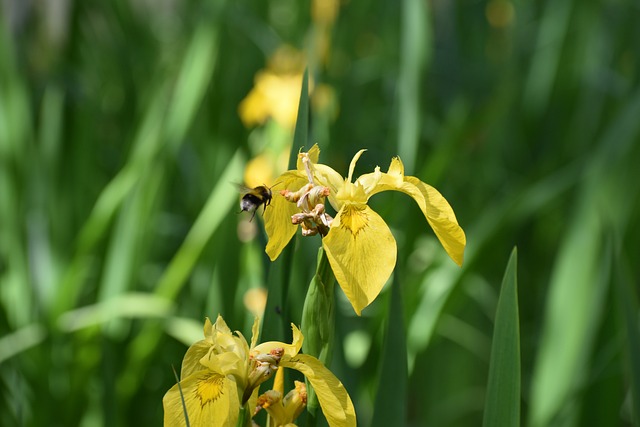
x=208, y=328
x=369, y=182
x=255, y=331
x=191, y=361
x=210, y=399
x=362, y=253
x=352, y=165
x=277, y=216
x=334, y=400
x=278, y=381
x=314, y=155
x=327, y=177
x=433, y=205
x=289, y=349
x=440, y=216
x=220, y=327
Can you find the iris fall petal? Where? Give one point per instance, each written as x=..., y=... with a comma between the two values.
x=362, y=253
x=215, y=401
x=279, y=229
x=334, y=399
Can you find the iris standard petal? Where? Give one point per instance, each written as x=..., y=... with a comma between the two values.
x=191, y=361
x=352, y=165
x=219, y=327
x=362, y=253
x=277, y=216
x=210, y=399
x=333, y=397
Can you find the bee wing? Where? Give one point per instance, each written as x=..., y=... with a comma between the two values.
x=243, y=188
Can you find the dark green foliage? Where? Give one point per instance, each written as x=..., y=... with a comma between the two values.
x=120, y=142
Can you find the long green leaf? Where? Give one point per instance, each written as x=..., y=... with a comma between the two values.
x=275, y=326
x=502, y=406
x=220, y=202
x=391, y=398
x=628, y=300
x=415, y=49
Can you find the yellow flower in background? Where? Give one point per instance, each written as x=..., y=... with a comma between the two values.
x=358, y=243
x=222, y=373
x=276, y=90
x=274, y=96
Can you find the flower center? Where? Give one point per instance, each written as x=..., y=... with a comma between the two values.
x=353, y=218
x=209, y=387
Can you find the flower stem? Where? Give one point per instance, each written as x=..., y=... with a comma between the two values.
x=318, y=322
x=244, y=417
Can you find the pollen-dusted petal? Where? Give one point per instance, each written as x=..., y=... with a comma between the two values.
x=277, y=216
x=333, y=397
x=362, y=253
x=210, y=399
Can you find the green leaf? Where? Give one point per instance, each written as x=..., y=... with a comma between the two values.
x=572, y=317
x=628, y=300
x=502, y=407
x=274, y=325
x=415, y=48
x=301, y=134
x=390, y=406
x=175, y=276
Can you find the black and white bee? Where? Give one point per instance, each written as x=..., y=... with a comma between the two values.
x=253, y=198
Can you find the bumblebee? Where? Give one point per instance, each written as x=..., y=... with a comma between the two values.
x=252, y=198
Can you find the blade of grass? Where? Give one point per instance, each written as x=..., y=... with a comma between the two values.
x=546, y=58
x=391, y=397
x=161, y=125
x=502, y=407
x=220, y=202
x=575, y=299
x=415, y=51
x=275, y=325
x=21, y=340
x=571, y=318
x=628, y=301
x=16, y=134
x=190, y=88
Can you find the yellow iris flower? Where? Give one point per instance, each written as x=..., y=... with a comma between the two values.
x=222, y=373
x=359, y=245
x=284, y=411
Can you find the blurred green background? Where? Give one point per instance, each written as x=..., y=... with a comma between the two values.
x=120, y=141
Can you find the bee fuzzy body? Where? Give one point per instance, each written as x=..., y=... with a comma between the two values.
x=253, y=198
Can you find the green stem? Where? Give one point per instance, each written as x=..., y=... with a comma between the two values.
x=318, y=322
x=244, y=416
